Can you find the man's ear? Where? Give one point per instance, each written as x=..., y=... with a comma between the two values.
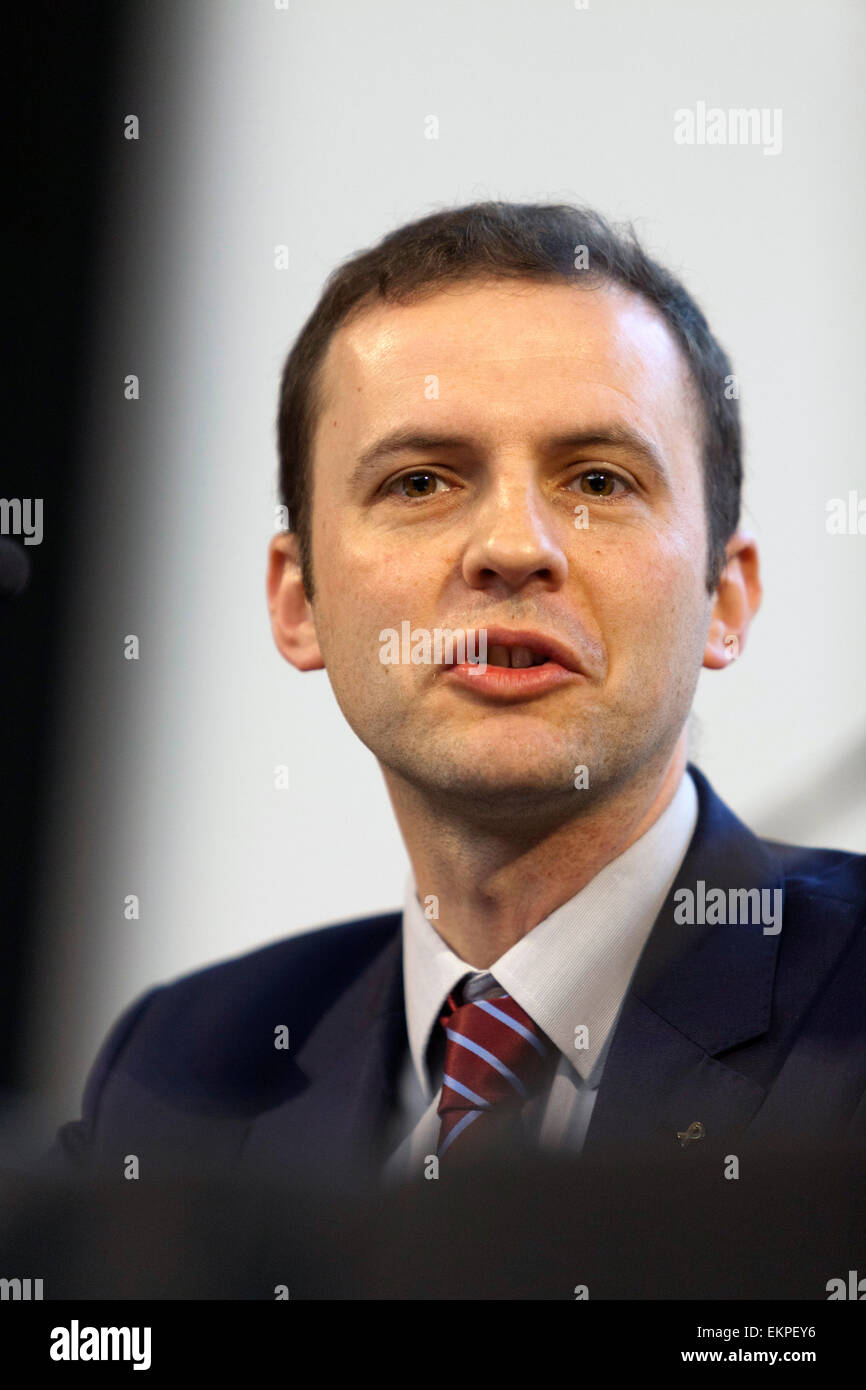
x=292, y=622
x=738, y=597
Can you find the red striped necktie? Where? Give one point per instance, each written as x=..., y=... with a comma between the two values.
x=496, y=1059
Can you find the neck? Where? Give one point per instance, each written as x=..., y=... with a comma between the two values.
x=494, y=883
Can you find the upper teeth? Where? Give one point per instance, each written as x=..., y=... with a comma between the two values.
x=514, y=656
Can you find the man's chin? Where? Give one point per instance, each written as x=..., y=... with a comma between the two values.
x=501, y=791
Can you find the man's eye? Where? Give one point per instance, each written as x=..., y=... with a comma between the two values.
x=598, y=482
x=419, y=484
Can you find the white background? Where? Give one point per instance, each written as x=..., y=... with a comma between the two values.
x=263, y=126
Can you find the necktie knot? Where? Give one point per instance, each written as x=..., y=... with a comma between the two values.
x=496, y=1059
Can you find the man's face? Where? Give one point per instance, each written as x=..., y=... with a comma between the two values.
x=559, y=494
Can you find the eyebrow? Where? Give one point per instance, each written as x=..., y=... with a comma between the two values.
x=407, y=440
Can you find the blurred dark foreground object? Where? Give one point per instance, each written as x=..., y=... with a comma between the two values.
x=14, y=568
x=782, y=1230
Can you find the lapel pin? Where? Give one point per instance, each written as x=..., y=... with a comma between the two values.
x=688, y=1136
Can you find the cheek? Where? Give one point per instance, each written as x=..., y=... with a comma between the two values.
x=361, y=590
x=649, y=600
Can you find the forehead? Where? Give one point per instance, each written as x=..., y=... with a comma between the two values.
x=506, y=355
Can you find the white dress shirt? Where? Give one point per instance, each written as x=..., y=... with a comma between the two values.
x=570, y=973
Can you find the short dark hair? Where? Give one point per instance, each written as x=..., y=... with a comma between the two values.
x=523, y=241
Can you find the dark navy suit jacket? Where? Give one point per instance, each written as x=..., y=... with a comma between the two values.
x=751, y=1035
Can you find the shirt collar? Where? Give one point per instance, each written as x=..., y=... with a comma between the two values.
x=571, y=972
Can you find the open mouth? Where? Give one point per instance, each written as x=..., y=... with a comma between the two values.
x=502, y=649
x=517, y=657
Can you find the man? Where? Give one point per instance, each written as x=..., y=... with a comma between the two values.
x=506, y=425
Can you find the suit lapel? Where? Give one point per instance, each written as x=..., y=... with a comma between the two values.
x=331, y=1129
x=699, y=991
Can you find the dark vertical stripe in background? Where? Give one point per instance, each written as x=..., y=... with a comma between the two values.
x=65, y=58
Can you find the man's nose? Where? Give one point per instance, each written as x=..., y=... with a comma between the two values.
x=515, y=539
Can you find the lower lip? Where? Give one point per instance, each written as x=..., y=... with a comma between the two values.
x=510, y=682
